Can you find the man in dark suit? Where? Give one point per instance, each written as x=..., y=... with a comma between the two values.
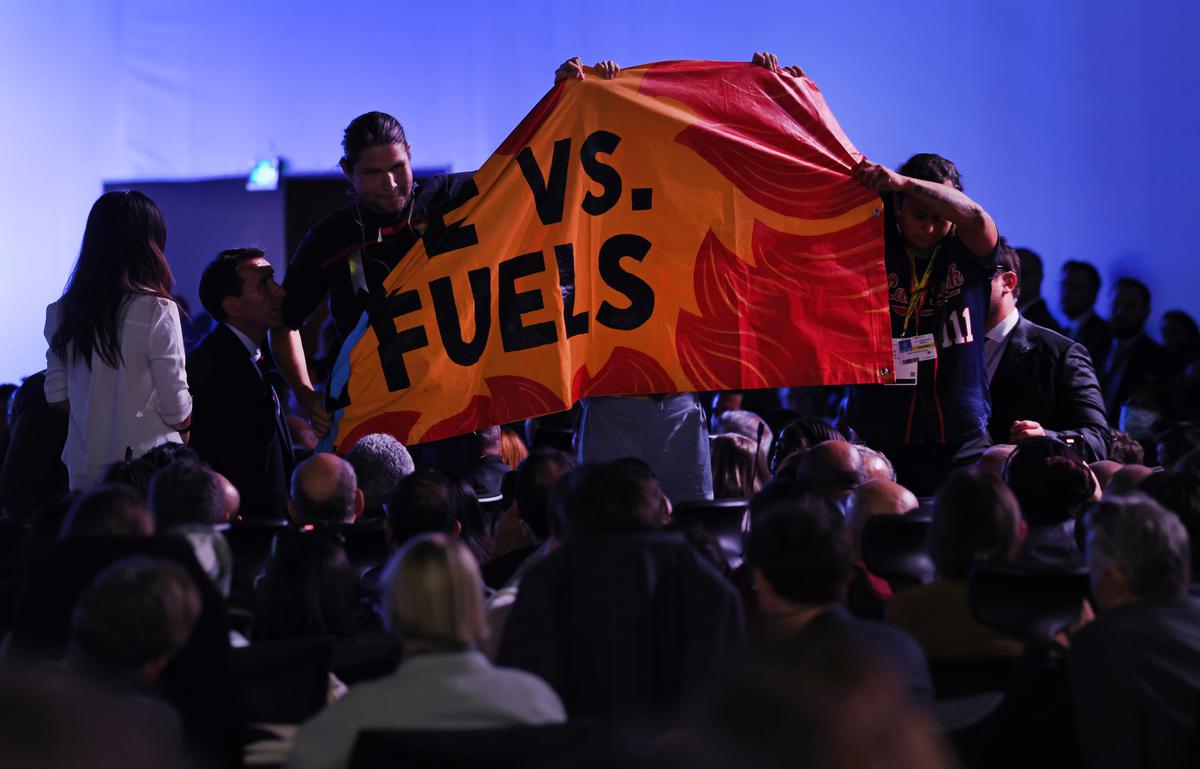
x=1041, y=383
x=1134, y=360
x=1135, y=670
x=1032, y=305
x=238, y=427
x=1078, y=291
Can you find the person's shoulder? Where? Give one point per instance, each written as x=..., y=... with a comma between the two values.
x=1045, y=338
x=331, y=228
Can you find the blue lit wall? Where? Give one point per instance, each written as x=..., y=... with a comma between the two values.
x=1073, y=122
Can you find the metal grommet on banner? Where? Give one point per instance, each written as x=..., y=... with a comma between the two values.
x=875, y=212
x=884, y=371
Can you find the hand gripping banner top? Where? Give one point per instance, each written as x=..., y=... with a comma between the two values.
x=685, y=226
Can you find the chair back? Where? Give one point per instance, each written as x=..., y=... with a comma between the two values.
x=725, y=519
x=895, y=547
x=1032, y=605
x=250, y=542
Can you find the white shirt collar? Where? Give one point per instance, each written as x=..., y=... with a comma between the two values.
x=251, y=347
x=1002, y=329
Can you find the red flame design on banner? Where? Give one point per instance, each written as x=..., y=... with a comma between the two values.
x=744, y=137
x=796, y=284
x=396, y=423
x=627, y=370
x=512, y=398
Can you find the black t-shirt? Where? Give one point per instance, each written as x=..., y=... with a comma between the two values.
x=350, y=253
x=949, y=403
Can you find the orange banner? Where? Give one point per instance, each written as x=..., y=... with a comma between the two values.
x=686, y=226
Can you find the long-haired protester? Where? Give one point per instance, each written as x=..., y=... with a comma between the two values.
x=434, y=599
x=115, y=361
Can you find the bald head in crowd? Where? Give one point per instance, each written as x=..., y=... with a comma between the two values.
x=324, y=490
x=876, y=497
x=830, y=469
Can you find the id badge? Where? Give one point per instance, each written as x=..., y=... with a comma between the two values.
x=920, y=347
x=905, y=360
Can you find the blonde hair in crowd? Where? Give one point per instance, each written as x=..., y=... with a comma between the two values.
x=435, y=593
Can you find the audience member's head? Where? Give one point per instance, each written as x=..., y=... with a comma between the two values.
x=134, y=473
x=231, y=498
x=132, y=619
x=474, y=526
x=738, y=469
x=1125, y=449
x=815, y=702
x=1031, y=272
x=1079, y=288
x=994, y=458
x=1006, y=286
x=186, y=493
x=747, y=423
x=167, y=452
x=1179, y=492
x=609, y=498
x=976, y=519
x=1104, y=470
x=489, y=440
x=1137, y=550
x=324, y=490
x=308, y=589
x=1180, y=335
x=1127, y=480
x=108, y=510
x=1130, y=307
x=425, y=501
x=798, y=436
x=435, y=594
x=380, y=462
x=512, y=448
x=876, y=465
x=873, y=498
x=830, y=469
x=1051, y=483
x=238, y=288
x=535, y=477
x=800, y=555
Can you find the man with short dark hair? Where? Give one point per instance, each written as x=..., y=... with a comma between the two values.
x=238, y=425
x=1032, y=305
x=1040, y=382
x=1077, y=297
x=1135, y=670
x=324, y=491
x=188, y=501
x=1134, y=360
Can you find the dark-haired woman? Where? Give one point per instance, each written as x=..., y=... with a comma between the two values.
x=116, y=358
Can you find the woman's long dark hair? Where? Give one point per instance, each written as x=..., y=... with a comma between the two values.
x=122, y=254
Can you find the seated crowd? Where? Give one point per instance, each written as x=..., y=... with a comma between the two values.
x=584, y=595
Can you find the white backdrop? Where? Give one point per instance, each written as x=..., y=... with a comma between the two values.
x=1073, y=122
